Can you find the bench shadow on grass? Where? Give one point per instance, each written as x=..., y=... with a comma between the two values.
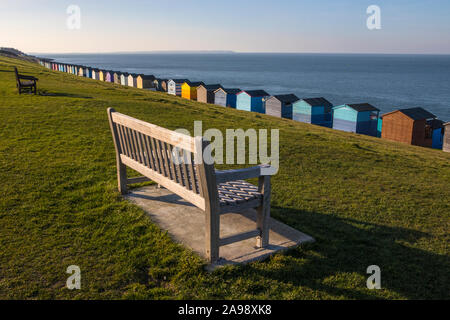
x=348, y=246
x=62, y=94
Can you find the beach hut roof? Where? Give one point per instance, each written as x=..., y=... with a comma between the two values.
x=195, y=84
x=414, y=113
x=231, y=90
x=212, y=86
x=180, y=80
x=360, y=107
x=435, y=123
x=313, y=102
x=256, y=93
x=287, y=98
x=147, y=76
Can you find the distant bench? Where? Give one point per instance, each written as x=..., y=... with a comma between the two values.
x=25, y=82
x=158, y=153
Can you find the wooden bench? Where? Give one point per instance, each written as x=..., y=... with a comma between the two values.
x=174, y=161
x=24, y=83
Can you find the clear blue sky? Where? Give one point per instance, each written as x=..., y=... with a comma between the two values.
x=408, y=26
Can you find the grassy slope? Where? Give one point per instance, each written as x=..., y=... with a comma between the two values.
x=365, y=200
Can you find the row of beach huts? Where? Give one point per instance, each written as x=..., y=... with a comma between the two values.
x=414, y=126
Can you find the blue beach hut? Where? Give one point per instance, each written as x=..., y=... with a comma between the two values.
x=359, y=118
x=379, y=127
x=313, y=110
x=251, y=100
x=437, y=127
x=226, y=97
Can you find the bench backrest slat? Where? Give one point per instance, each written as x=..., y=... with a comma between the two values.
x=17, y=76
x=164, y=156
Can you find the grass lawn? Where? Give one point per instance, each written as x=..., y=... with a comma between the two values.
x=366, y=202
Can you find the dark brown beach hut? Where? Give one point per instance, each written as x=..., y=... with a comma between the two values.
x=409, y=126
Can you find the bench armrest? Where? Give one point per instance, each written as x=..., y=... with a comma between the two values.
x=239, y=174
x=28, y=77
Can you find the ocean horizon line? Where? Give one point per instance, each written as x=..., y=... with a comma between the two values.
x=238, y=52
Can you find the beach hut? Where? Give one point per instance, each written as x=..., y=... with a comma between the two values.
x=145, y=81
x=379, y=127
x=280, y=105
x=359, y=118
x=163, y=84
x=87, y=72
x=108, y=76
x=251, y=100
x=81, y=71
x=95, y=74
x=189, y=90
x=446, y=139
x=205, y=92
x=313, y=110
x=437, y=126
x=156, y=84
x=124, y=79
x=132, y=80
x=116, y=76
x=226, y=97
x=101, y=75
x=411, y=126
x=174, y=86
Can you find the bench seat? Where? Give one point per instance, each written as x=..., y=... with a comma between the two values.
x=237, y=192
x=27, y=83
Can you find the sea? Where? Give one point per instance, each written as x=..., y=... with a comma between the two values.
x=386, y=81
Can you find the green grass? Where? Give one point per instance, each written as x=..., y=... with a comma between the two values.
x=366, y=201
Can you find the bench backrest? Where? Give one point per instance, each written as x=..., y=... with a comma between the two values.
x=169, y=158
x=17, y=76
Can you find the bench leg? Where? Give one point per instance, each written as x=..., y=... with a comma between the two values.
x=212, y=235
x=122, y=178
x=263, y=212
